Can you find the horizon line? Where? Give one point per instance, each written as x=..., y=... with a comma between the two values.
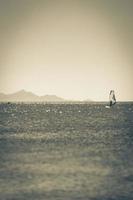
x=65, y=99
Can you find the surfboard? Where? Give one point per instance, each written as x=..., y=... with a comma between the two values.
x=107, y=106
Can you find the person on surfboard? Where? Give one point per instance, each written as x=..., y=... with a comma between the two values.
x=112, y=99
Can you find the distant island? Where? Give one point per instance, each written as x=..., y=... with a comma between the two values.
x=25, y=96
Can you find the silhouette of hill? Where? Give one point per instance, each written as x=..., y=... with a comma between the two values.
x=24, y=96
x=88, y=100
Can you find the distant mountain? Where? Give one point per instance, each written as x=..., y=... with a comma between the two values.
x=24, y=96
x=51, y=98
x=88, y=100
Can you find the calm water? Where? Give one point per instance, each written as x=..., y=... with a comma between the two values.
x=66, y=152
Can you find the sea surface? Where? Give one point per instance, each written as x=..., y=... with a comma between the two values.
x=66, y=151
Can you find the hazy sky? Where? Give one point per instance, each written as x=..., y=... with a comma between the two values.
x=76, y=49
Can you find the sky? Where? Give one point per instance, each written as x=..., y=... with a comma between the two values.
x=75, y=49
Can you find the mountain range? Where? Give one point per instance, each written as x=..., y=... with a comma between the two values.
x=24, y=96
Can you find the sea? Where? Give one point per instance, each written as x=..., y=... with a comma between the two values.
x=73, y=151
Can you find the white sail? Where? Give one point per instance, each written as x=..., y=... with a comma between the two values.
x=112, y=98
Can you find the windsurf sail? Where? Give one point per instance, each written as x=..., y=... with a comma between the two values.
x=112, y=98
